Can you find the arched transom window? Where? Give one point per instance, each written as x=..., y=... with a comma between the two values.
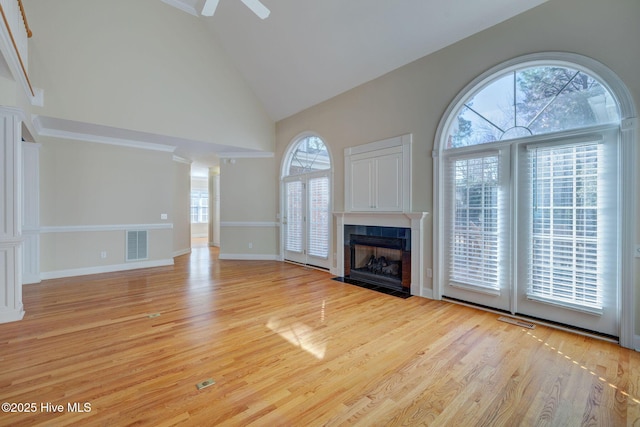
x=309, y=155
x=530, y=101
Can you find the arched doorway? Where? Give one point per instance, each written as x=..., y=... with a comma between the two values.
x=306, y=196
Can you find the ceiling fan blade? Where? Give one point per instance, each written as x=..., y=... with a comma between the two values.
x=257, y=8
x=209, y=7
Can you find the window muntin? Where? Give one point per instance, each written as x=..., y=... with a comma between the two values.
x=531, y=101
x=310, y=155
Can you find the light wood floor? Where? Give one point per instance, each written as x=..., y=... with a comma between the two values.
x=288, y=346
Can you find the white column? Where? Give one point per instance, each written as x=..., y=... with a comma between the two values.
x=31, y=212
x=11, y=308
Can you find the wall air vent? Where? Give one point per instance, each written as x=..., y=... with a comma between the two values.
x=137, y=245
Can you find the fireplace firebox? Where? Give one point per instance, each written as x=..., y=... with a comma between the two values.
x=382, y=259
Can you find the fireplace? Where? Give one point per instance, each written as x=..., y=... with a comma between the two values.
x=400, y=225
x=378, y=255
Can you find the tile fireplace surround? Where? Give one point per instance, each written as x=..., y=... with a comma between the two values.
x=411, y=220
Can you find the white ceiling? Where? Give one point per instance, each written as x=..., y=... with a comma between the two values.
x=308, y=51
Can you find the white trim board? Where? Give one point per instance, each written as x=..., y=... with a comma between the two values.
x=181, y=252
x=250, y=257
x=105, y=227
x=59, y=274
x=80, y=136
x=249, y=224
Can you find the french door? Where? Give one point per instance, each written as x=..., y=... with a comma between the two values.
x=532, y=229
x=306, y=219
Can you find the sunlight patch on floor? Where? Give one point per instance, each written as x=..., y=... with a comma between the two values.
x=300, y=335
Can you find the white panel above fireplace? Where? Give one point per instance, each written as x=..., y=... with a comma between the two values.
x=378, y=176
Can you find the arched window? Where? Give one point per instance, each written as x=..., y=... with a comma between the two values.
x=306, y=195
x=310, y=155
x=533, y=100
x=529, y=176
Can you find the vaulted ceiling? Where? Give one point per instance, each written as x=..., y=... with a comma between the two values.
x=307, y=51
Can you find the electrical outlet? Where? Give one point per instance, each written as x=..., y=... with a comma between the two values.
x=251, y=245
x=103, y=254
x=164, y=216
x=637, y=251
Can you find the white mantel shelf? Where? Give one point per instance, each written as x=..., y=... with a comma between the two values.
x=412, y=220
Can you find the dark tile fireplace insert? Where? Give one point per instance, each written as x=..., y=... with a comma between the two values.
x=380, y=256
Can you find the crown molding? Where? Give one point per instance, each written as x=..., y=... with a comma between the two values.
x=80, y=136
x=182, y=160
x=247, y=155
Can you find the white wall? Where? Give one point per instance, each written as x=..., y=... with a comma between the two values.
x=141, y=65
x=88, y=194
x=248, y=189
x=181, y=218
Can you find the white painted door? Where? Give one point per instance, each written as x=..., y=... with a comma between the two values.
x=307, y=219
x=477, y=230
x=561, y=202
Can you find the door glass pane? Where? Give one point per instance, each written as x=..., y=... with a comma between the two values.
x=563, y=253
x=474, y=232
x=318, y=244
x=295, y=223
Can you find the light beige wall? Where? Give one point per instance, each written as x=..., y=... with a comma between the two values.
x=141, y=65
x=248, y=190
x=181, y=218
x=413, y=98
x=85, y=184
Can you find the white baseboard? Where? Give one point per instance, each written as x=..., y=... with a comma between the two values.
x=104, y=269
x=12, y=315
x=30, y=279
x=182, y=252
x=249, y=257
x=427, y=293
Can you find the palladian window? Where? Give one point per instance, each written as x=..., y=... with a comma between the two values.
x=529, y=214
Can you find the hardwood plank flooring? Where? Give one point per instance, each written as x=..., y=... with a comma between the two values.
x=288, y=346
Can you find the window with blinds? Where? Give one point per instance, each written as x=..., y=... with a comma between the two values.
x=318, y=244
x=474, y=221
x=565, y=224
x=295, y=216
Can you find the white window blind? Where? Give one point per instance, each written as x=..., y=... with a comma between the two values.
x=474, y=223
x=295, y=216
x=318, y=244
x=566, y=223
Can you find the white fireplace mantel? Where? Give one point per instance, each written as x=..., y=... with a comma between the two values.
x=412, y=220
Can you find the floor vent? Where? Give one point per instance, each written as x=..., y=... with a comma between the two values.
x=205, y=383
x=137, y=245
x=517, y=322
